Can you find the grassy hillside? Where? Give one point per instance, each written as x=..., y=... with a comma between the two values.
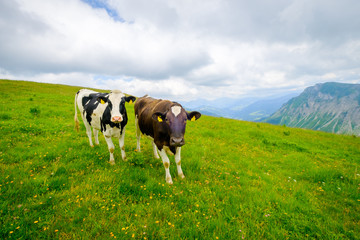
x=243, y=180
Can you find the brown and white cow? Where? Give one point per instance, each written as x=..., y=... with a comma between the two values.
x=163, y=121
x=104, y=112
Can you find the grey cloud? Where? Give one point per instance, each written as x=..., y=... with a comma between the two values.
x=16, y=31
x=335, y=21
x=331, y=22
x=280, y=21
x=227, y=44
x=30, y=45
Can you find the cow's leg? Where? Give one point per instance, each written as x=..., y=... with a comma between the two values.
x=96, y=136
x=166, y=163
x=122, y=145
x=138, y=133
x=155, y=149
x=88, y=131
x=111, y=148
x=178, y=162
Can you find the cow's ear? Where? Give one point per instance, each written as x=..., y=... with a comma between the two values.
x=130, y=99
x=193, y=116
x=159, y=117
x=102, y=99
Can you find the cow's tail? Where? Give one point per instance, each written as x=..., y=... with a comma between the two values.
x=77, y=126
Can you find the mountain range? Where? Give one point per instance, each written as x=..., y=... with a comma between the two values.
x=331, y=107
x=248, y=109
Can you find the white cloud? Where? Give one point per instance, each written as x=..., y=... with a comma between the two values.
x=169, y=88
x=182, y=49
x=329, y=76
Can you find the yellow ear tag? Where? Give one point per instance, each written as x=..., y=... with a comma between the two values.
x=159, y=119
x=193, y=119
x=131, y=102
x=102, y=101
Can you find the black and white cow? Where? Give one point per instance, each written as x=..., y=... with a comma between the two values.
x=104, y=112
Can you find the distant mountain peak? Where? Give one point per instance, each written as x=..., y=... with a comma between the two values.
x=331, y=107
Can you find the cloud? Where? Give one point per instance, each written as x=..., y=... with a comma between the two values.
x=82, y=39
x=181, y=49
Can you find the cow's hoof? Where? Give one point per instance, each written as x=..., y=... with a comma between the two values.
x=125, y=159
x=181, y=175
x=112, y=162
x=169, y=181
x=92, y=146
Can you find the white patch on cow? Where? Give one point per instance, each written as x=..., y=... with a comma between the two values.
x=176, y=110
x=178, y=162
x=111, y=148
x=95, y=102
x=155, y=150
x=166, y=163
x=116, y=91
x=115, y=98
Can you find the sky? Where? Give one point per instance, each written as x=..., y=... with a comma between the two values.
x=182, y=49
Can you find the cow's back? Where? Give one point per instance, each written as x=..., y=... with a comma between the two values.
x=143, y=114
x=82, y=96
x=90, y=107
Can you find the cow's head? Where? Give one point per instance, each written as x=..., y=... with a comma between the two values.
x=116, y=104
x=175, y=119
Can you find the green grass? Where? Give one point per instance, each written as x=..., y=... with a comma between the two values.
x=244, y=180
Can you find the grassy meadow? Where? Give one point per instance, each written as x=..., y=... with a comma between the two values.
x=244, y=180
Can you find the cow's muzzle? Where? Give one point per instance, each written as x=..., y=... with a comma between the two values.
x=116, y=119
x=177, y=142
